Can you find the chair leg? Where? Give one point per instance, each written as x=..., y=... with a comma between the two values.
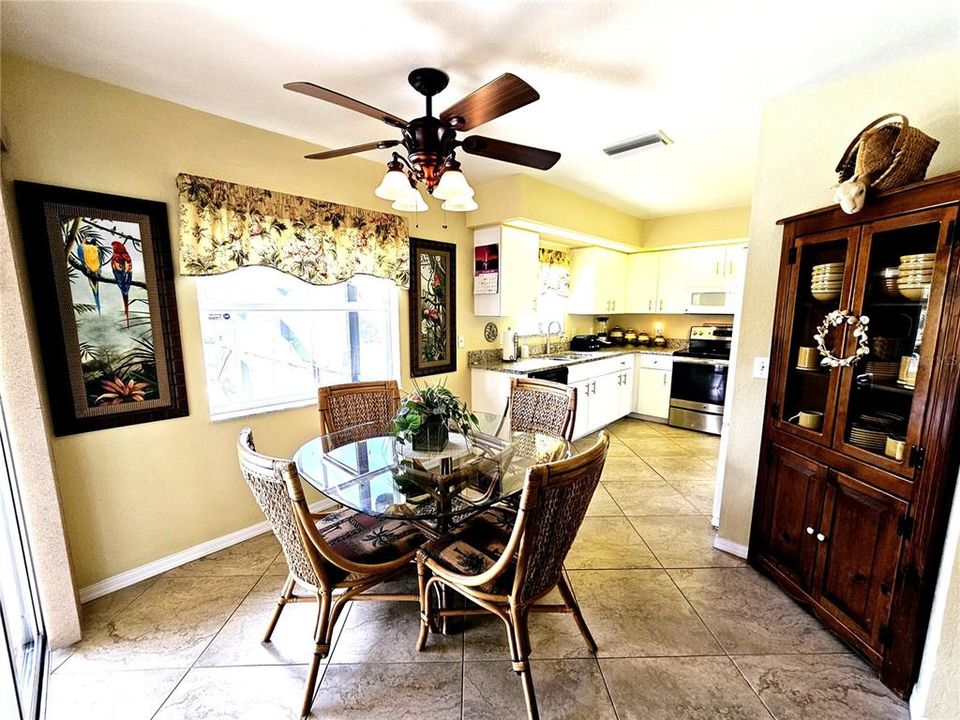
x=321, y=649
x=424, y=592
x=285, y=594
x=571, y=602
x=522, y=664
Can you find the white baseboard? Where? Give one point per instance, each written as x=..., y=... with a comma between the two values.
x=731, y=547
x=161, y=565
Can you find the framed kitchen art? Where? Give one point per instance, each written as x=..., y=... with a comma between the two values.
x=433, y=307
x=101, y=279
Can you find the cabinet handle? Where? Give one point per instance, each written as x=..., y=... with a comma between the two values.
x=593, y=387
x=649, y=303
x=664, y=378
x=614, y=305
x=730, y=268
x=821, y=537
x=717, y=271
x=810, y=530
x=661, y=304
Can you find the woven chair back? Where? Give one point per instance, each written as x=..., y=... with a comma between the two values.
x=269, y=479
x=555, y=499
x=357, y=411
x=542, y=406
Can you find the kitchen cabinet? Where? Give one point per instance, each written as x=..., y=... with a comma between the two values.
x=604, y=392
x=597, y=281
x=842, y=524
x=672, y=288
x=643, y=278
x=518, y=259
x=652, y=386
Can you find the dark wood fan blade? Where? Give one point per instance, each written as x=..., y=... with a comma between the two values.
x=321, y=93
x=326, y=155
x=496, y=98
x=510, y=152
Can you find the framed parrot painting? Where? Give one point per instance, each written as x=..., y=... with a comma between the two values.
x=433, y=307
x=101, y=279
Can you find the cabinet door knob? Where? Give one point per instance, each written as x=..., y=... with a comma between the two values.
x=821, y=537
x=810, y=531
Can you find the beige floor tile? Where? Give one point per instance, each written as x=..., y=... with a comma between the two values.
x=565, y=689
x=678, y=433
x=628, y=428
x=707, y=444
x=168, y=626
x=241, y=693
x=710, y=460
x=750, y=615
x=648, y=498
x=96, y=613
x=656, y=447
x=602, y=505
x=826, y=687
x=675, y=469
x=129, y=694
x=683, y=542
x=635, y=613
x=699, y=494
x=251, y=557
x=390, y=692
x=385, y=632
x=278, y=568
x=608, y=543
x=621, y=469
x=680, y=688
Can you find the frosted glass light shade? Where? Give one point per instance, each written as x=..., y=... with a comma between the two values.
x=412, y=201
x=460, y=204
x=452, y=186
x=394, y=186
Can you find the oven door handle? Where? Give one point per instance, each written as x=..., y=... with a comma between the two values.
x=701, y=361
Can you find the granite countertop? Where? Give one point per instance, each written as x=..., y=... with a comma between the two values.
x=542, y=362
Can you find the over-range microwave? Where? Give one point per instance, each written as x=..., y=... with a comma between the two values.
x=705, y=301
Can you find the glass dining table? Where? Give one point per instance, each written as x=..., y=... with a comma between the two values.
x=378, y=475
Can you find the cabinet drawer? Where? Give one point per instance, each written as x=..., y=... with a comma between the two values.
x=656, y=361
x=596, y=368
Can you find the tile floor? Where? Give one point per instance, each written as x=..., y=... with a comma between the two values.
x=684, y=630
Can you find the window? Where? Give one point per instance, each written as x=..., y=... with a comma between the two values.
x=269, y=339
x=553, y=288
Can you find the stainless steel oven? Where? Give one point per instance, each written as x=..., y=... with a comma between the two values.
x=698, y=389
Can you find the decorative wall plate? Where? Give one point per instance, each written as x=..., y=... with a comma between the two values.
x=490, y=332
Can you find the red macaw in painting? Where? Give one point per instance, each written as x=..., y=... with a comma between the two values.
x=122, y=267
x=89, y=254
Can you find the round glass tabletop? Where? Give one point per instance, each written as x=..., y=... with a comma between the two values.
x=378, y=475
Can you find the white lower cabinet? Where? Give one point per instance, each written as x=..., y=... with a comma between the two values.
x=604, y=392
x=652, y=394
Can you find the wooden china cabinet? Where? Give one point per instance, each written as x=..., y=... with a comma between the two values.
x=840, y=522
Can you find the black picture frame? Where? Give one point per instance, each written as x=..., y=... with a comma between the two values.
x=127, y=295
x=433, y=307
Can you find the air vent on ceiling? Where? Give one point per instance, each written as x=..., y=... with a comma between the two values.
x=637, y=143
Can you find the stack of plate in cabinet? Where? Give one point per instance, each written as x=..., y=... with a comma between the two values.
x=883, y=371
x=916, y=274
x=827, y=280
x=868, y=439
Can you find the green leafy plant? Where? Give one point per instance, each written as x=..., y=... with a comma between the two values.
x=426, y=403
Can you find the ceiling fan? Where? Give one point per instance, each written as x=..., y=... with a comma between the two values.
x=431, y=142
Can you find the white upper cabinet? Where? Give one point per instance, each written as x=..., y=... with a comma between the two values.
x=597, y=281
x=518, y=256
x=643, y=277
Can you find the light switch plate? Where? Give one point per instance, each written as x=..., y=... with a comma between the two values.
x=461, y=341
x=761, y=367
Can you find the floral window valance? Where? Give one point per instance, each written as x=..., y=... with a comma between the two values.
x=555, y=271
x=225, y=226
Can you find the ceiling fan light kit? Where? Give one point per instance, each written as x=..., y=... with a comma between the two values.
x=431, y=142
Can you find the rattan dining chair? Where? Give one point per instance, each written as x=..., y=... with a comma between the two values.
x=333, y=559
x=505, y=566
x=541, y=406
x=357, y=411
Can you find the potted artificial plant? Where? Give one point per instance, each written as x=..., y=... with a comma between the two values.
x=425, y=416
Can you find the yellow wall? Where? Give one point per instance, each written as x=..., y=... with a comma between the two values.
x=802, y=136
x=709, y=226
x=132, y=495
x=522, y=196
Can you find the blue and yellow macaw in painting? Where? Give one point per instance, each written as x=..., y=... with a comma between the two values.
x=89, y=254
x=122, y=267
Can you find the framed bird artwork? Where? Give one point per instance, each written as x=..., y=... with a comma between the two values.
x=101, y=279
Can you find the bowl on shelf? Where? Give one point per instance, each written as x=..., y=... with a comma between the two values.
x=918, y=257
x=824, y=295
x=914, y=291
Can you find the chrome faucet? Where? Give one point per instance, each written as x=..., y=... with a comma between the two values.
x=549, y=333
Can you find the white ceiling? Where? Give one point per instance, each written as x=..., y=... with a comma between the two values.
x=605, y=72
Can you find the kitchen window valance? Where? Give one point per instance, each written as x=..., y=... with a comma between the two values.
x=225, y=226
x=555, y=271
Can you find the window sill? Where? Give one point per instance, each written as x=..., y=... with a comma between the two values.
x=249, y=412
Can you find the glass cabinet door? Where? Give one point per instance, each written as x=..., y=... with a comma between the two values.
x=820, y=280
x=899, y=289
